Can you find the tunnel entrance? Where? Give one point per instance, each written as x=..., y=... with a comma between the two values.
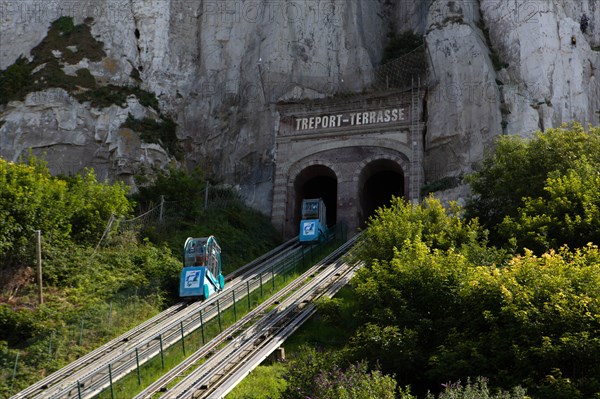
x=379, y=181
x=317, y=181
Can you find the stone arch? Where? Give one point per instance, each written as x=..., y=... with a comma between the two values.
x=299, y=166
x=377, y=179
x=400, y=159
x=314, y=178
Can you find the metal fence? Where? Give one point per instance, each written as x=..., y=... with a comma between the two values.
x=398, y=74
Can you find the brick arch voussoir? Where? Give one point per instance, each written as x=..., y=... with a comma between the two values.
x=298, y=167
x=403, y=163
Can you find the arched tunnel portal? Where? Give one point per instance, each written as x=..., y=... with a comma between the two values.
x=379, y=181
x=356, y=155
x=316, y=181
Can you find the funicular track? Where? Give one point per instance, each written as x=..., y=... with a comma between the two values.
x=229, y=357
x=94, y=372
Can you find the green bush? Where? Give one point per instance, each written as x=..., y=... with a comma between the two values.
x=64, y=25
x=523, y=177
x=105, y=96
x=162, y=131
x=92, y=204
x=524, y=323
x=436, y=226
x=70, y=211
x=15, y=80
x=30, y=199
x=568, y=213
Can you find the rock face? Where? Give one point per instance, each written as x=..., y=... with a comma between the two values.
x=507, y=68
x=218, y=67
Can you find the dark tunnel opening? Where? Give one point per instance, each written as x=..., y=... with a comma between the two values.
x=317, y=182
x=379, y=182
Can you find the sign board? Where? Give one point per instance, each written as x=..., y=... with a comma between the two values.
x=332, y=121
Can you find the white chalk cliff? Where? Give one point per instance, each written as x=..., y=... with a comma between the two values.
x=218, y=66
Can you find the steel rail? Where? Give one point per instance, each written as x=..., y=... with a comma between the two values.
x=278, y=326
x=204, y=380
x=276, y=340
x=102, y=374
x=54, y=385
x=246, y=330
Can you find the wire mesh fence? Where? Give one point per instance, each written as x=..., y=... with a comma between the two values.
x=401, y=73
x=165, y=211
x=73, y=338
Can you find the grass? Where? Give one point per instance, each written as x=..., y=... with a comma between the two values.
x=327, y=331
x=264, y=382
x=152, y=370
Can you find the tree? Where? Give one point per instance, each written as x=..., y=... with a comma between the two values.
x=30, y=199
x=434, y=312
x=93, y=203
x=68, y=211
x=430, y=222
x=567, y=212
x=518, y=171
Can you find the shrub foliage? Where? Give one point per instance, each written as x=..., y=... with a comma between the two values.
x=94, y=292
x=437, y=304
x=540, y=193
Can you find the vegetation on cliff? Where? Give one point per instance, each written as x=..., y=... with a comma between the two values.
x=67, y=44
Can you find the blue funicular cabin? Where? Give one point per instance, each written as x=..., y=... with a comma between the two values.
x=313, y=225
x=202, y=271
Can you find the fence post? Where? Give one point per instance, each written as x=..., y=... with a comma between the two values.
x=182, y=337
x=283, y=272
x=14, y=372
x=234, y=309
x=162, y=355
x=112, y=391
x=248, y=293
x=219, y=315
x=50, y=344
x=109, y=317
x=81, y=332
x=38, y=252
x=261, y=284
x=162, y=207
x=202, y=327
x=137, y=363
